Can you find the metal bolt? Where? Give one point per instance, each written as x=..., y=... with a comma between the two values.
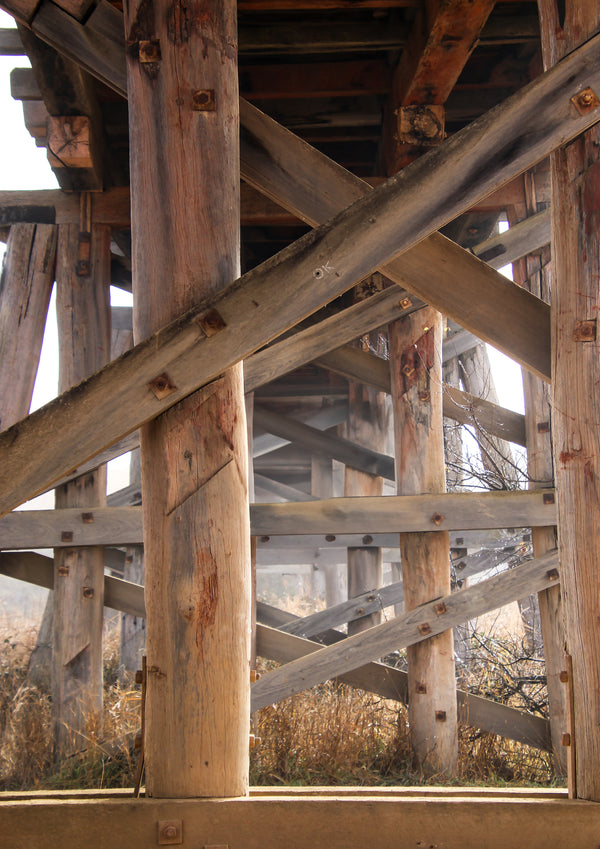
x=149, y=51
x=425, y=628
x=543, y=427
x=162, y=386
x=460, y=565
x=203, y=100
x=359, y=611
x=211, y=322
x=552, y=574
x=330, y=538
x=370, y=598
x=87, y=518
x=440, y=715
x=548, y=498
x=437, y=519
x=425, y=395
x=88, y=592
x=367, y=539
x=421, y=689
x=585, y=101
x=440, y=608
x=66, y=536
x=564, y=677
x=63, y=571
x=405, y=303
x=170, y=832
x=585, y=331
x=265, y=539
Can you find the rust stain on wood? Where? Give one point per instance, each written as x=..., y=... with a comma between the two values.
x=416, y=362
x=208, y=596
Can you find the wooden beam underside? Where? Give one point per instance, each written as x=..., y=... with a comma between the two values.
x=102, y=37
x=319, y=266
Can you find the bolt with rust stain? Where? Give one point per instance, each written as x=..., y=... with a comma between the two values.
x=424, y=628
x=87, y=518
x=565, y=739
x=169, y=832
x=421, y=689
x=405, y=303
x=66, y=536
x=371, y=598
x=425, y=395
x=162, y=386
x=88, y=592
x=437, y=518
x=440, y=608
x=149, y=51
x=564, y=677
x=552, y=574
x=359, y=611
x=548, y=498
x=367, y=539
x=440, y=715
x=203, y=100
x=543, y=427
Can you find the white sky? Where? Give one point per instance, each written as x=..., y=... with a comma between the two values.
x=24, y=166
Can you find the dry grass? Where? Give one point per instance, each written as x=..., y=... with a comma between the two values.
x=330, y=735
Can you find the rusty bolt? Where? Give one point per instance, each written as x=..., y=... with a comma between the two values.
x=460, y=566
x=254, y=676
x=585, y=331
x=265, y=539
x=149, y=51
x=405, y=303
x=170, y=832
x=437, y=519
x=548, y=498
x=211, y=322
x=543, y=427
x=330, y=538
x=129, y=558
x=440, y=715
x=162, y=386
x=408, y=370
x=424, y=628
x=552, y=574
x=87, y=518
x=585, y=101
x=83, y=268
x=440, y=608
x=88, y=592
x=421, y=689
x=367, y=539
x=460, y=540
x=63, y=571
x=66, y=536
x=425, y=395
x=370, y=598
x=565, y=739
x=564, y=677
x=359, y=611
x=139, y=676
x=203, y=100
x=254, y=741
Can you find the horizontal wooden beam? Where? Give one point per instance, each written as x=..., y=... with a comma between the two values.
x=322, y=418
x=460, y=406
x=382, y=818
x=488, y=539
x=71, y=526
x=407, y=514
x=273, y=487
x=408, y=629
x=53, y=206
x=324, y=444
x=523, y=238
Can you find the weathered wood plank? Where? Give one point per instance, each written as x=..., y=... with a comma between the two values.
x=451, y=511
x=67, y=527
x=412, y=627
x=10, y=43
x=52, y=206
x=25, y=286
x=273, y=487
x=523, y=238
x=324, y=444
x=382, y=820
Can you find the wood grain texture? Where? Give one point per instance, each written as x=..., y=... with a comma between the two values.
x=83, y=319
x=521, y=239
x=25, y=288
x=195, y=455
x=384, y=819
x=412, y=627
x=576, y=372
x=416, y=384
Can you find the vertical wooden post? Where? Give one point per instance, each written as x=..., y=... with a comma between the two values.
x=133, y=628
x=183, y=118
x=25, y=288
x=576, y=382
x=83, y=314
x=534, y=272
x=415, y=369
x=367, y=425
x=321, y=485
